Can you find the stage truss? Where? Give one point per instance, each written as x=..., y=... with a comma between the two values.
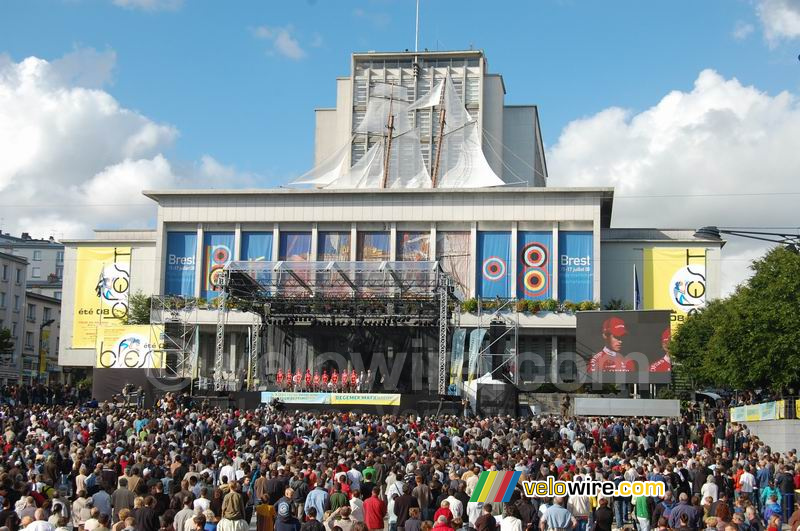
x=334, y=293
x=177, y=317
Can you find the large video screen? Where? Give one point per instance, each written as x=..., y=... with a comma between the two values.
x=625, y=346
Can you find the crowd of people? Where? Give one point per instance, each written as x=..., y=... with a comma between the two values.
x=179, y=468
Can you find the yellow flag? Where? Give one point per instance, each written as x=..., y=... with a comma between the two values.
x=102, y=283
x=675, y=279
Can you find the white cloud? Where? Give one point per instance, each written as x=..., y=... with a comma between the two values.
x=742, y=30
x=73, y=159
x=150, y=5
x=780, y=18
x=671, y=164
x=283, y=43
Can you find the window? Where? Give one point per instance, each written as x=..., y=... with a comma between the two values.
x=5, y=272
x=57, y=295
x=29, y=340
x=60, y=257
x=60, y=271
x=13, y=329
x=36, y=272
x=31, y=312
x=46, y=314
x=19, y=276
x=37, y=256
x=2, y=299
x=16, y=303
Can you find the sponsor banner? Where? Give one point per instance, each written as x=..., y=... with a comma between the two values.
x=295, y=246
x=457, y=362
x=752, y=412
x=217, y=253
x=494, y=257
x=180, y=263
x=675, y=280
x=334, y=246
x=295, y=398
x=365, y=399
x=534, y=265
x=373, y=246
x=575, y=266
x=130, y=347
x=413, y=246
x=102, y=285
x=618, y=344
x=453, y=253
x=475, y=342
x=256, y=246
x=769, y=411
x=737, y=414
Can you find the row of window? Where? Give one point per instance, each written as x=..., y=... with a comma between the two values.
x=46, y=313
x=3, y=301
x=6, y=273
x=37, y=256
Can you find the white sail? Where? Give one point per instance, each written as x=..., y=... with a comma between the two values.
x=462, y=163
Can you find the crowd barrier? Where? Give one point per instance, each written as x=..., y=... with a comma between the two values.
x=775, y=410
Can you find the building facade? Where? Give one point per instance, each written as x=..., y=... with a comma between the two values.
x=523, y=256
x=13, y=274
x=510, y=134
x=45, y=261
x=40, y=342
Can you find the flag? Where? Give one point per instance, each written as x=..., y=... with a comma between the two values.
x=637, y=295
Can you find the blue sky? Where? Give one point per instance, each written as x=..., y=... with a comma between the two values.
x=689, y=109
x=199, y=66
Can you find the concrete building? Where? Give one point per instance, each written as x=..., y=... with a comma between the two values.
x=45, y=261
x=516, y=242
x=40, y=342
x=511, y=136
x=13, y=271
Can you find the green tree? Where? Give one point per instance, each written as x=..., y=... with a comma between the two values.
x=138, y=309
x=750, y=339
x=6, y=343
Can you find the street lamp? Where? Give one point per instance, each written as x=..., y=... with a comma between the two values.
x=42, y=355
x=791, y=241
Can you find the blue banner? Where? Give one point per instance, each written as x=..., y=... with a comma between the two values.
x=493, y=279
x=534, y=265
x=295, y=246
x=575, y=266
x=475, y=342
x=217, y=253
x=180, y=263
x=457, y=362
x=256, y=246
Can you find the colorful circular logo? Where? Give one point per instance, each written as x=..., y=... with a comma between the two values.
x=534, y=282
x=494, y=268
x=221, y=254
x=687, y=289
x=534, y=255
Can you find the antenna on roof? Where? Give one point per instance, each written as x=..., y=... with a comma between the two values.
x=416, y=31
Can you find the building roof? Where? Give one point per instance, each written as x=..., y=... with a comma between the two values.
x=14, y=258
x=44, y=298
x=155, y=194
x=7, y=240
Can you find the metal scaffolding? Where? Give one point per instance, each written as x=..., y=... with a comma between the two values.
x=174, y=321
x=333, y=293
x=510, y=321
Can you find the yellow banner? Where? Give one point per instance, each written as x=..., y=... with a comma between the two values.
x=130, y=347
x=675, y=279
x=102, y=282
x=44, y=341
x=365, y=399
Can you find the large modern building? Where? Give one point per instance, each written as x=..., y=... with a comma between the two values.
x=499, y=245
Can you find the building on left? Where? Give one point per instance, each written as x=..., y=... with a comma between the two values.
x=31, y=273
